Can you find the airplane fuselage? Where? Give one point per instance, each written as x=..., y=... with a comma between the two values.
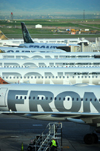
x=51, y=75
x=50, y=98
x=49, y=63
x=46, y=55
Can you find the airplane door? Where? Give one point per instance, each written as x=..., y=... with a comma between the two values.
x=3, y=96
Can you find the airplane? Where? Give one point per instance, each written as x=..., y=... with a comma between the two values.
x=27, y=38
x=78, y=103
x=17, y=42
x=46, y=55
x=29, y=43
x=50, y=75
x=34, y=63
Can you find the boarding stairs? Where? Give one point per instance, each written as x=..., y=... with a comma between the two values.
x=52, y=131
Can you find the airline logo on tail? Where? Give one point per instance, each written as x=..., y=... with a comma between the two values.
x=2, y=36
x=26, y=35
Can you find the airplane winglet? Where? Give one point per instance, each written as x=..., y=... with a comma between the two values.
x=26, y=36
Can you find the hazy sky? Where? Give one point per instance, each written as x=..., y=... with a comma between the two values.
x=34, y=7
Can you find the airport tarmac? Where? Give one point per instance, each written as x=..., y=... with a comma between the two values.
x=16, y=129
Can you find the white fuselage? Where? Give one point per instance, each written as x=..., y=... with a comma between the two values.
x=48, y=55
x=50, y=98
x=28, y=50
x=51, y=75
x=17, y=42
x=49, y=63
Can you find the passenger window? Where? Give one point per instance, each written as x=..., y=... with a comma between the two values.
x=24, y=97
x=29, y=97
x=50, y=98
x=20, y=97
x=95, y=99
x=68, y=99
x=16, y=97
x=33, y=97
x=77, y=99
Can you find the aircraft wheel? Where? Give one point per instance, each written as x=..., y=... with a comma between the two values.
x=95, y=138
x=89, y=139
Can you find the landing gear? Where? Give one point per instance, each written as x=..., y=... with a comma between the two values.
x=95, y=138
x=91, y=138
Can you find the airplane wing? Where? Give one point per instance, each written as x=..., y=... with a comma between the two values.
x=75, y=114
x=92, y=119
x=78, y=117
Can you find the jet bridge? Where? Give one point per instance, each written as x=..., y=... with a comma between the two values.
x=42, y=142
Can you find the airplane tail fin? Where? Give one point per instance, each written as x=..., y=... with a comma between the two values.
x=3, y=81
x=2, y=36
x=26, y=36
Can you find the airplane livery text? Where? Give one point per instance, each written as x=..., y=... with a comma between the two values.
x=43, y=46
x=46, y=98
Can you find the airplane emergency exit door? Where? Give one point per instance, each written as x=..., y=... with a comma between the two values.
x=3, y=96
